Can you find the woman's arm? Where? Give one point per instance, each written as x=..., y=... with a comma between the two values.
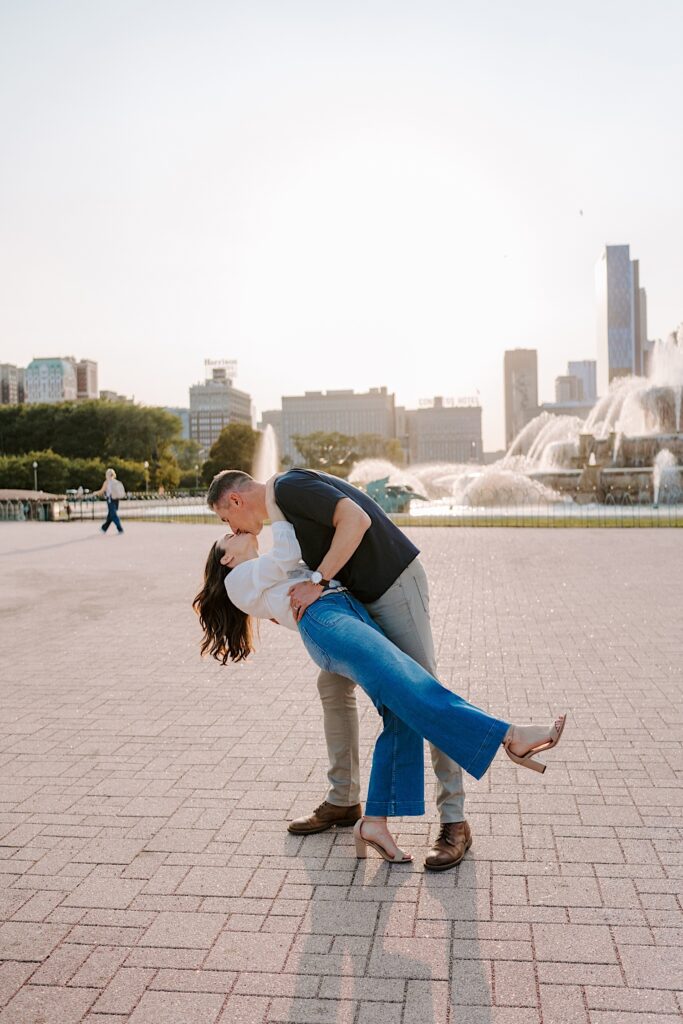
x=248, y=583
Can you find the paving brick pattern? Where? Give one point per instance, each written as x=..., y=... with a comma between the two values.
x=145, y=871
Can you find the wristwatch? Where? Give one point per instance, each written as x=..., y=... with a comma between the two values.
x=317, y=577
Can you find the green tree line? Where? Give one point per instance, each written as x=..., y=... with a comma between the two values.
x=57, y=474
x=74, y=442
x=89, y=430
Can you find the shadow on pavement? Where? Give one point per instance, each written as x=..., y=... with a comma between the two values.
x=386, y=937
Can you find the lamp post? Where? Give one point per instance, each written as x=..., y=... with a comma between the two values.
x=146, y=465
x=35, y=476
x=196, y=477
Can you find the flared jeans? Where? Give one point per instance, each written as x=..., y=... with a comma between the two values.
x=341, y=637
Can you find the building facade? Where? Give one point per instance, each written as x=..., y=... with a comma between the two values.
x=214, y=405
x=621, y=316
x=568, y=388
x=51, y=380
x=86, y=379
x=9, y=384
x=343, y=412
x=520, y=370
x=271, y=418
x=586, y=371
x=445, y=431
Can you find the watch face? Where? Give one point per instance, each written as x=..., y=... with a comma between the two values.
x=316, y=577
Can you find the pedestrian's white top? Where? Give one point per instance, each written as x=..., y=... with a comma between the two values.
x=260, y=586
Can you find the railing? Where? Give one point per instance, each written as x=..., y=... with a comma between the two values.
x=183, y=506
x=188, y=507
x=612, y=514
x=617, y=512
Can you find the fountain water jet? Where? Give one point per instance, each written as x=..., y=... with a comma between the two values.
x=666, y=478
x=613, y=456
x=267, y=457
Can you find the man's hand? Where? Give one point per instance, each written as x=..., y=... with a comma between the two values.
x=301, y=595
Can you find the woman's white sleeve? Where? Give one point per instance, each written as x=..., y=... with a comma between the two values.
x=284, y=555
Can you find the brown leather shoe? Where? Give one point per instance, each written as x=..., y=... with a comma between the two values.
x=452, y=843
x=325, y=817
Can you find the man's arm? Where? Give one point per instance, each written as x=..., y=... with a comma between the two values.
x=350, y=524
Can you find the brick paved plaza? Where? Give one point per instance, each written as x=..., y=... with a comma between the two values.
x=145, y=871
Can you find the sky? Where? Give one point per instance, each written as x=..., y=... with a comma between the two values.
x=336, y=195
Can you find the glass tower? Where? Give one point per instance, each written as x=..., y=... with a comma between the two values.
x=620, y=316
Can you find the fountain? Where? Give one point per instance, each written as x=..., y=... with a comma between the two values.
x=666, y=478
x=628, y=451
x=267, y=457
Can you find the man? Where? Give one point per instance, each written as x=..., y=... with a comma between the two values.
x=345, y=535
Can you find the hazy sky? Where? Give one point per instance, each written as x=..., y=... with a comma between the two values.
x=336, y=194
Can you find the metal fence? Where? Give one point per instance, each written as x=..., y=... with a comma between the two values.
x=184, y=507
x=191, y=508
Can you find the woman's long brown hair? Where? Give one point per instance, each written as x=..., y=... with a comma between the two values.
x=227, y=629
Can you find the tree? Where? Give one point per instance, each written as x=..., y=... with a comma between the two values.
x=234, y=448
x=334, y=453
x=187, y=453
x=167, y=474
x=94, y=429
x=56, y=473
x=374, y=446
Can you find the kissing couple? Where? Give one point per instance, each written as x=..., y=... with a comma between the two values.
x=344, y=576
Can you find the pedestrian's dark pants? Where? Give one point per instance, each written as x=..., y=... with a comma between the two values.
x=112, y=516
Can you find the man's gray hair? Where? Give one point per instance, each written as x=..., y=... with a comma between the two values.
x=224, y=482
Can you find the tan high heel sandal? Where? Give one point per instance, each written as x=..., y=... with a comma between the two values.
x=362, y=844
x=527, y=760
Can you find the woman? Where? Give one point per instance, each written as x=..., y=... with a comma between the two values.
x=113, y=490
x=341, y=637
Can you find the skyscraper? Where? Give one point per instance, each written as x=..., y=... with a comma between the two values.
x=216, y=403
x=622, y=315
x=521, y=390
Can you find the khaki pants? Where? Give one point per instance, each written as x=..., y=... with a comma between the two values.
x=402, y=612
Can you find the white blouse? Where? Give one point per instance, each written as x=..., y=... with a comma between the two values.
x=260, y=586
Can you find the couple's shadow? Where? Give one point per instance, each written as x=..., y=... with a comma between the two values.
x=386, y=934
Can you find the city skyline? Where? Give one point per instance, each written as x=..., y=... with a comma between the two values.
x=335, y=198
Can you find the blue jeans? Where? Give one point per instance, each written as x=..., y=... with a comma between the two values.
x=341, y=637
x=112, y=516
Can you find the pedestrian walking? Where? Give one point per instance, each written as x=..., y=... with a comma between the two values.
x=113, y=490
